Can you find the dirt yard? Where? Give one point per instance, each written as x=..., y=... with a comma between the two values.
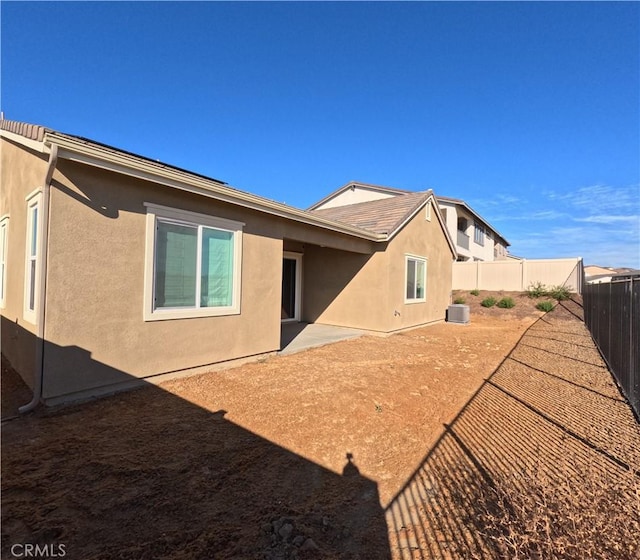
x=373, y=448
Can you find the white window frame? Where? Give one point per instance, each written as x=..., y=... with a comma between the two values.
x=155, y=211
x=4, y=249
x=297, y=257
x=34, y=202
x=417, y=259
x=478, y=233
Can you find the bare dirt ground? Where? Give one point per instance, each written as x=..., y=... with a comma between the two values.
x=376, y=448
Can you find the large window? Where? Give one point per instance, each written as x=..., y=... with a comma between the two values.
x=32, y=260
x=4, y=237
x=193, y=265
x=416, y=279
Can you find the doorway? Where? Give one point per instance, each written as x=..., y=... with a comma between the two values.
x=291, y=286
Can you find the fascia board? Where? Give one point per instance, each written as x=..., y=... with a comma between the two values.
x=129, y=165
x=34, y=145
x=408, y=218
x=431, y=198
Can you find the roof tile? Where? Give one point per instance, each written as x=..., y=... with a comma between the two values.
x=31, y=131
x=379, y=216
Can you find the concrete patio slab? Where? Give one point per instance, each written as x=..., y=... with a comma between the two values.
x=295, y=337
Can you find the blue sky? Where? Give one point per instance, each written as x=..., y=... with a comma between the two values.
x=530, y=112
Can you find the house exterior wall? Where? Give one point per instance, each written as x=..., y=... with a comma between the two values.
x=500, y=251
x=469, y=250
x=353, y=196
x=371, y=294
x=343, y=291
x=95, y=332
x=22, y=172
x=96, y=337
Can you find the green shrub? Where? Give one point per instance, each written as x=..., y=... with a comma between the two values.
x=475, y=292
x=559, y=293
x=545, y=306
x=536, y=290
x=488, y=302
x=459, y=300
x=506, y=303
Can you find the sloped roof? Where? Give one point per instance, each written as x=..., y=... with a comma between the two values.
x=38, y=132
x=395, y=192
x=30, y=131
x=383, y=216
x=90, y=152
x=376, y=220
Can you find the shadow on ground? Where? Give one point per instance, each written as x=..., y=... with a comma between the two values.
x=148, y=475
x=542, y=462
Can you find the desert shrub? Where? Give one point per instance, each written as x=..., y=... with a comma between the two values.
x=475, y=292
x=559, y=293
x=459, y=300
x=545, y=306
x=488, y=302
x=536, y=290
x=506, y=303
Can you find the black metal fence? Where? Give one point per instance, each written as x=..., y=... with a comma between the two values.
x=612, y=314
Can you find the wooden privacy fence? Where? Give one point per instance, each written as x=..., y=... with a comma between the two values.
x=612, y=315
x=517, y=275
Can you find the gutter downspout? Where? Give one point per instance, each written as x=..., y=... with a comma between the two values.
x=44, y=244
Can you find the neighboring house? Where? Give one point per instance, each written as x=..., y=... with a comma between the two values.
x=594, y=274
x=474, y=237
x=117, y=269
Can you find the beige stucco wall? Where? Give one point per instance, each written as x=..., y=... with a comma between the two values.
x=370, y=293
x=344, y=289
x=95, y=333
x=95, y=330
x=22, y=171
x=354, y=195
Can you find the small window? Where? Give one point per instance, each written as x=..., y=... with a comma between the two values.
x=416, y=279
x=32, y=260
x=462, y=225
x=478, y=233
x=193, y=265
x=4, y=246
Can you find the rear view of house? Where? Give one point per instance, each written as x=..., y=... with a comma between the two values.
x=118, y=269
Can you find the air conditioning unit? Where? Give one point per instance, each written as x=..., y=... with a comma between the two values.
x=458, y=313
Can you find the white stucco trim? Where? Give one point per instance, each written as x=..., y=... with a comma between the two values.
x=417, y=258
x=32, y=263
